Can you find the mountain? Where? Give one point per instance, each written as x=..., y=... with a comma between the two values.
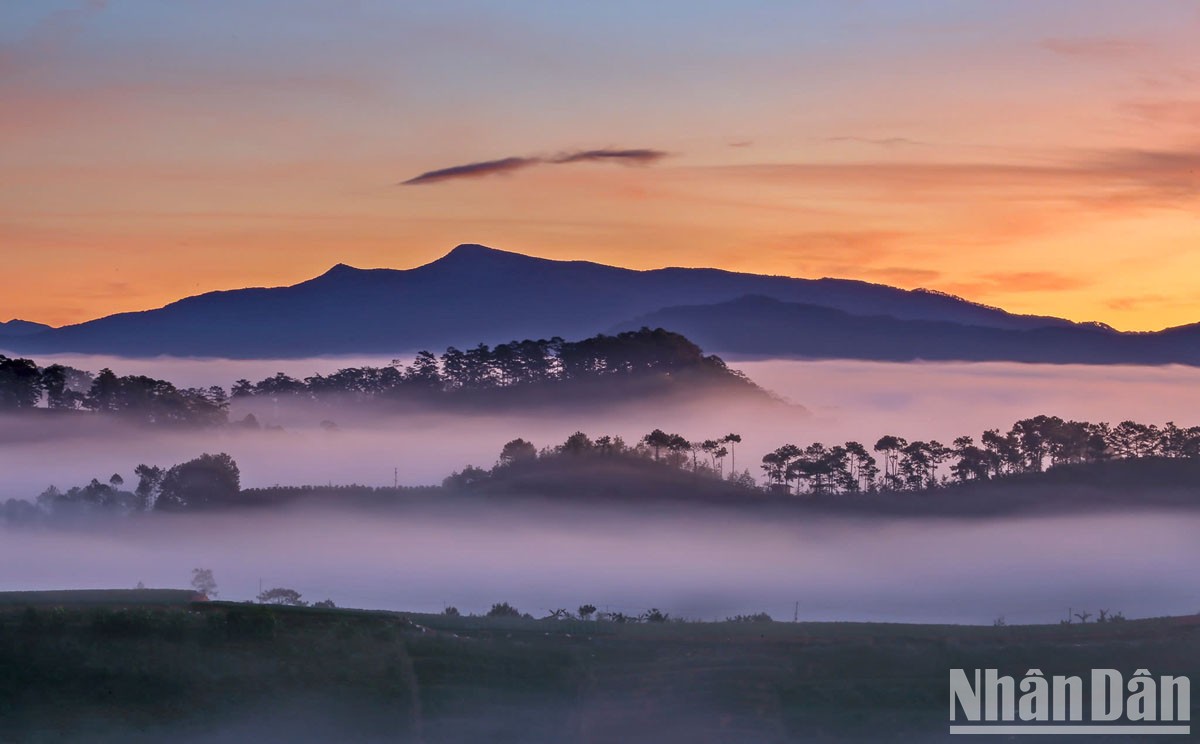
x=18, y=327
x=472, y=294
x=758, y=325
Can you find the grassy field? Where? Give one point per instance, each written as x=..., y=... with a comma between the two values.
x=149, y=665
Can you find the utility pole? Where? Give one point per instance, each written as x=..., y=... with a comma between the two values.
x=395, y=478
x=796, y=613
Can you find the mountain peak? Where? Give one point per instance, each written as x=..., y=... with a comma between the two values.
x=18, y=327
x=340, y=270
x=475, y=252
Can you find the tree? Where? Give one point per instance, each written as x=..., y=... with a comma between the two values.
x=732, y=440
x=861, y=469
x=586, y=611
x=503, y=609
x=469, y=475
x=424, y=372
x=777, y=465
x=203, y=582
x=116, y=481
x=657, y=440
x=205, y=482
x=104, y=392
x=889, y=446
x=149, y=483
x=282, y=596
x=20, y=383
x=974, y=463
x=65, y=386
x=577, y=444
x=517, y=451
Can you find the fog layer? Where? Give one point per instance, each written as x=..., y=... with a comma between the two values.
x=696, y=564
x=848, y=401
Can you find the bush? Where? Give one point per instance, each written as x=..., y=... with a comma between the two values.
x=760, y=617
x=503, y=609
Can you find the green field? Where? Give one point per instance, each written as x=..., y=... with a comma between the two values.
x=148, y=665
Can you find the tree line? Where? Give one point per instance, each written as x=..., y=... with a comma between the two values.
x=205, y=482
x=632, y=354
x=892, y=464
x=25, y=385
x=1030, y=445
x=640, y=353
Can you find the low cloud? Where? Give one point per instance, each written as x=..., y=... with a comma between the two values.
x=639, y=156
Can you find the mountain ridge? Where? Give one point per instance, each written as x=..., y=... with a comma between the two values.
x=471, y=294
x=757, y=325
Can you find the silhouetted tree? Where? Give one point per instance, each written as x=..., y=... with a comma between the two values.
x=503, y=609
x=657, y=440
x=281, y=596
x=203, y=582
x=207, y=481
x=20, y=383
x=149, y=482
x=517, y=451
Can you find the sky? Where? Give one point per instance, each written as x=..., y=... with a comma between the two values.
x=1042, y=157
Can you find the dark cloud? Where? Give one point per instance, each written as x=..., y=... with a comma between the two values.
x=636, y=157
x=472, y=170
x=508, y=165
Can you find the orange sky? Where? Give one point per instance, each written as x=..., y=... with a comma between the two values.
x=1044, y=159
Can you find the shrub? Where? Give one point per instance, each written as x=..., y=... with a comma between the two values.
x=503, y=609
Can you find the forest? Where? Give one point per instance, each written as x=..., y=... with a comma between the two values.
x=526, y=365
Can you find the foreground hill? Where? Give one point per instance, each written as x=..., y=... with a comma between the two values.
x=472, y=294
x=231, y=672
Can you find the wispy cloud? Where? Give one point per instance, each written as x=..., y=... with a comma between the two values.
x=1186, y=111
x=881, y=141
x=472, y=170
x=1116, y=177
x=1093, y=47
x=639, y=156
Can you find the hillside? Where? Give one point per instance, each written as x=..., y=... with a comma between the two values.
x=760, y=325
x=223, y=671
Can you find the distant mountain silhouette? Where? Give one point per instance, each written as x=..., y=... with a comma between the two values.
x=18, y=327
x=470, y=295
x=757, y=325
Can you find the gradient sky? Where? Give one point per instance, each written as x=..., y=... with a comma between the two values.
x=1040, y=156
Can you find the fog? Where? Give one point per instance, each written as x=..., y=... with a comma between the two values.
x=698, y=564
x=842, y=400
